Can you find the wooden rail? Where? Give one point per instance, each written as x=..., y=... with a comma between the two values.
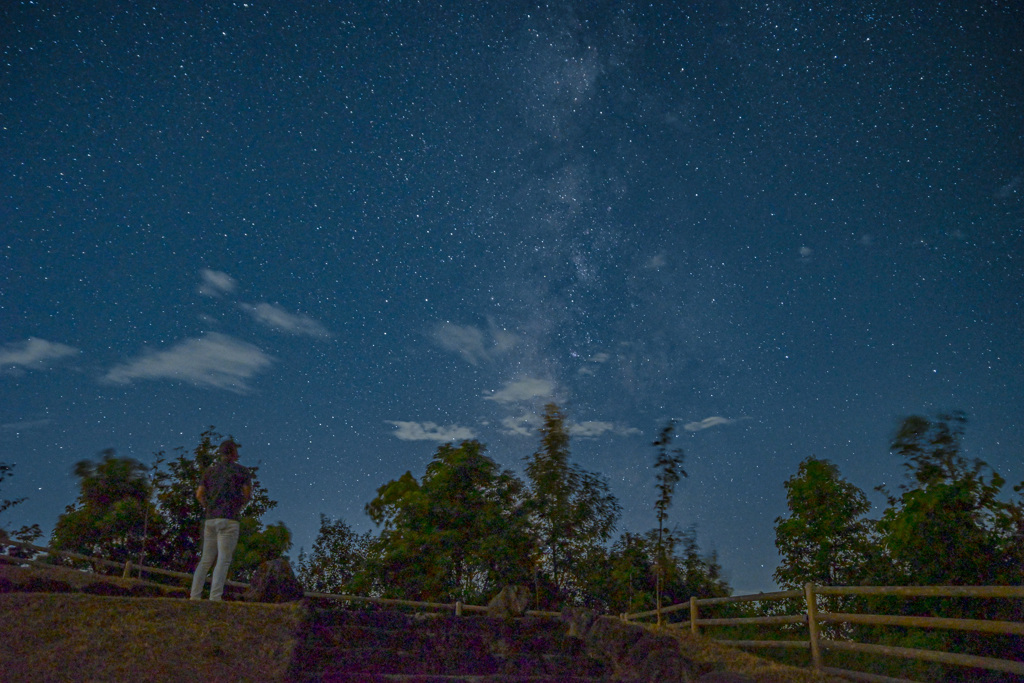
x=457, y=607
x=813, y=618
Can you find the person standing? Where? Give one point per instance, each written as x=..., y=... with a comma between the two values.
x=225, y=487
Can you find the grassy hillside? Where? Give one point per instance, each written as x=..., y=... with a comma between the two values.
x=76, y=637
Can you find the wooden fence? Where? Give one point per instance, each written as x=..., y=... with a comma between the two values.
x=813, y=618
x=128, y=568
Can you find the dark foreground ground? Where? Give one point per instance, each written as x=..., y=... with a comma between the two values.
x=87, y=636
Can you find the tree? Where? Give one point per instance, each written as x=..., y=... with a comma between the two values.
x=825, y=539
x=669, y=465
x=24, y=534
x=572, y=512
x=108, y=518
x=338, y=557
x=180, y=539
x=948, y=525
x=633, y=582
x=7, y=503
x=460, y=534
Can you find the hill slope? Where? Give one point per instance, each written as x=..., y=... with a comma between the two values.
x=76, y=637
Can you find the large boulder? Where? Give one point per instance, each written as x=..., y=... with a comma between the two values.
x=512, y=601
x=274, y=581
x=633, y=652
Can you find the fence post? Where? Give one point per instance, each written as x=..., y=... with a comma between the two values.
x=127, y=569
x=812, y=625
x=693, y=614
x=458, y=608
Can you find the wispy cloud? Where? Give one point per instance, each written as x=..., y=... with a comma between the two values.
x=281, y=320
x=472, y=343
x=34, y=353
x=216, y=283
x=523, y=425
x=706, y=423
x=25, y=425
x=594, y=428
x=656, y=261
x=523, y=390
x=430, y=431
x=216, y=361
x=596, y=359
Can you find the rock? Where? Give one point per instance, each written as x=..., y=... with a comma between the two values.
x=512, y=601
x=274, y=581
x=579, y=620
x=633, y=652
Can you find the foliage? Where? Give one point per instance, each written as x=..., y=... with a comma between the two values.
x=633, y=584
x=258, y=544
x=460, y=534
x=176, y=481
x=7, y=503
x=111, y=512
x=949, y=525
x=825, y=540
x=572, y=513
x=126, y=510
x=24, y=534
x=669, y=465
x=338, y=558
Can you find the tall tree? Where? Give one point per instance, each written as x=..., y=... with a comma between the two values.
x=112, y=509
x=825, y=539
x=669, y=466
x=572, y=512
x=6, y=503
x=460, y=534
x=337, y=559
x=633, y=581
x=26, y=533
x=948, y=524
x=181, y=537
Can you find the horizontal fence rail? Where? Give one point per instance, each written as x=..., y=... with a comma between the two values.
x=813, y=618
x=458, y=608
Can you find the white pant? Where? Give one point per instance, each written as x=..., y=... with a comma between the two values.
x=220, y=536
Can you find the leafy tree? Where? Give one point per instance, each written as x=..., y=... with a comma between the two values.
x=572, y=512
x=6, y=503
x=459, y=534
x=634, y=584
x=113, y=503
x=948, y=525
x=825, y=539
x=24, y=534
x=338, y=557
x=126, y=510
x=669, y=465
x=181, y=538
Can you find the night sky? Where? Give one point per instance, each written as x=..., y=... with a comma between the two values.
x=348, y=232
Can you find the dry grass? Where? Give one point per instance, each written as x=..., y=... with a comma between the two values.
x=75, y=637
x=75, y=578
x=79, y=637
x=706, y=651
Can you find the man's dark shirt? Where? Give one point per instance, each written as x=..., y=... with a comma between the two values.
x=223, y=483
